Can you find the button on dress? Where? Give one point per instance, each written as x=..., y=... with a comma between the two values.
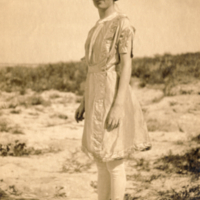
x=109, y=38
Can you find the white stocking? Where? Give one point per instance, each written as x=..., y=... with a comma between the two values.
x=111, y=180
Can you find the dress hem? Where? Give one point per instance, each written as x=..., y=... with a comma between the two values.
x=124, y=154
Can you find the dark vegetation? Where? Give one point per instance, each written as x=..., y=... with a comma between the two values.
x=13, y=191
x=188, y=163
x=157, y=69
x=169, y=70
x=19, y=148
x=166, y=69
x=187, y=193
x=76, y=163
x=60, y=76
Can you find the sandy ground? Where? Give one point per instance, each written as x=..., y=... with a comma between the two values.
x=51, y=166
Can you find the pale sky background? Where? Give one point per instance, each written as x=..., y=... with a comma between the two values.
x=39, y=31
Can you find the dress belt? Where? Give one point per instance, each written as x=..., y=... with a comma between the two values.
x=95, y=69
x=101, y=67
x=98, y=69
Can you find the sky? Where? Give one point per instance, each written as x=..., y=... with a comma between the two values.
x=43, y=31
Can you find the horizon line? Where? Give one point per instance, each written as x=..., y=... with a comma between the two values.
x=52, y=62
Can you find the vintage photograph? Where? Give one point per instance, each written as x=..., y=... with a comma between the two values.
x=99, y=100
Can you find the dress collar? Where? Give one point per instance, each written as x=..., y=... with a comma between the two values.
x=109, y=17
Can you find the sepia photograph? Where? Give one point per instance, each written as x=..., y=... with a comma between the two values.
x=99, y=99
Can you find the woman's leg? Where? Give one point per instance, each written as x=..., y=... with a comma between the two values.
x=118, y=179
x=103, y=183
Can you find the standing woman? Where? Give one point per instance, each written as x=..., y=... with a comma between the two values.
x=114, y=125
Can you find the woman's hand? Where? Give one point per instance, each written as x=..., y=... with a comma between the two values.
x=79, y=112
x=114, y=117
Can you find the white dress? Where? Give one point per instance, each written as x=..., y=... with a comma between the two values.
x=108, y=39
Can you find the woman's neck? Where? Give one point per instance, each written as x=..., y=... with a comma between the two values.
x=103, y=13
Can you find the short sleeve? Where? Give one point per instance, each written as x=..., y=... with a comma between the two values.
x=126, y=37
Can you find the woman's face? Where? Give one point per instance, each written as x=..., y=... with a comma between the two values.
x=103, y=4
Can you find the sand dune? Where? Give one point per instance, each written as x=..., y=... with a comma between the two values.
x=41, y=157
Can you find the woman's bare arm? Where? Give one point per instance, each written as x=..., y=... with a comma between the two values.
x=125, y=76
x=116, y=111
